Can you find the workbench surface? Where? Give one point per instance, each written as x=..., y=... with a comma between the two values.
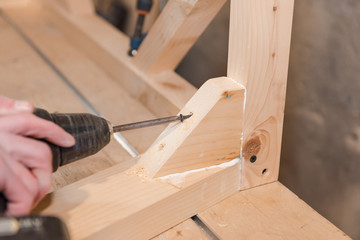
x=38, y=60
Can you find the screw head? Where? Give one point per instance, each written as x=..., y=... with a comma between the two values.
x=253, y=159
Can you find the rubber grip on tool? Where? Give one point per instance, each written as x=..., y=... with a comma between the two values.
x=91, y=134
x=3, y=202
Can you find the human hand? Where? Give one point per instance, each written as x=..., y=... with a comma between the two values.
x=26, y=163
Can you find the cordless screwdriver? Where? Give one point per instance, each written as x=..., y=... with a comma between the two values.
x=91, y=133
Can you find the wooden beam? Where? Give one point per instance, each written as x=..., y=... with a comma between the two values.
x=108, y=48
x=26, y=76
x=78, y=7
x=259, y=47
x=211, y=136
x=113, y=205
x=270, y=211
x=102, y=91
x=175, y=31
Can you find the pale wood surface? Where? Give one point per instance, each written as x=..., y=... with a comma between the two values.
x=100, y=89
x=175, y=31
x=119, y=200
x=210, y=137
x=107, y=47
x=259, y=45
x=13, y=3
x=112, y=205
x=185, y=230
x=25, y=76
x=270, y=211
x=78, y=7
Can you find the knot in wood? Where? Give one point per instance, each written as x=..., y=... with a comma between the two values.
x=252, y=148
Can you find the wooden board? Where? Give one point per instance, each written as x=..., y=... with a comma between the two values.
x=177, y=28
x=259, y=45
x=25, y=76
x=270, y=211
x=107, y=47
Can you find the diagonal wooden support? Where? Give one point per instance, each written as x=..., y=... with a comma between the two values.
x=175, y=31
x=115, y=205
x=210, y=137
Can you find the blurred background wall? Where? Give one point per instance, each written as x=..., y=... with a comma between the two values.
x=320, y=158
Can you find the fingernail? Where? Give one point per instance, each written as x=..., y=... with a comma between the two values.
x=23, y=106
x=70, y=141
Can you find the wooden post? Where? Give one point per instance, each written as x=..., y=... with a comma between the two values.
x=259, y=45
x=174, y=32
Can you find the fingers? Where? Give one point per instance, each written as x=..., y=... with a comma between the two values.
x=30, y=125
x=20, y=199
x=29, y=154
x=11, y=106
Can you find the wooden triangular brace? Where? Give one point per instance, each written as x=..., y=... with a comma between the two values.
x=212, y=136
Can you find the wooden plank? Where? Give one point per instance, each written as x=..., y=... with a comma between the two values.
x=25, y=75
x=259, y=47
x=102, y=91
x=107, y=47
x=12, y=3
x=175, y=31
x=112, y=205
x=210, y=137
x=184, y=231
x=78, y=7
x=270, y=211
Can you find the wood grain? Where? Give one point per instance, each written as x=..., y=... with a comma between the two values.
x=210, y=137
x=270, y=211
x=102, y=91
x=78, y=7
x=259, y=45
x=186, y=230
x=26, y=76
x=107, y=47
x=175, y=31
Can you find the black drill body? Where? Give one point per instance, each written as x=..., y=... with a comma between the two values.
x=91, y=134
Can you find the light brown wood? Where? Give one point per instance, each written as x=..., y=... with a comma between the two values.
x=270, y=211
x=78, y=7
x=122, y=201
x=12, y=3
x=186, y=230
x=107, y=47
x=259, y=47
x=25, y=76
x=210, y=137
x=112, y=205
x=101, y=90
x=175, y=31
x=21, y=68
